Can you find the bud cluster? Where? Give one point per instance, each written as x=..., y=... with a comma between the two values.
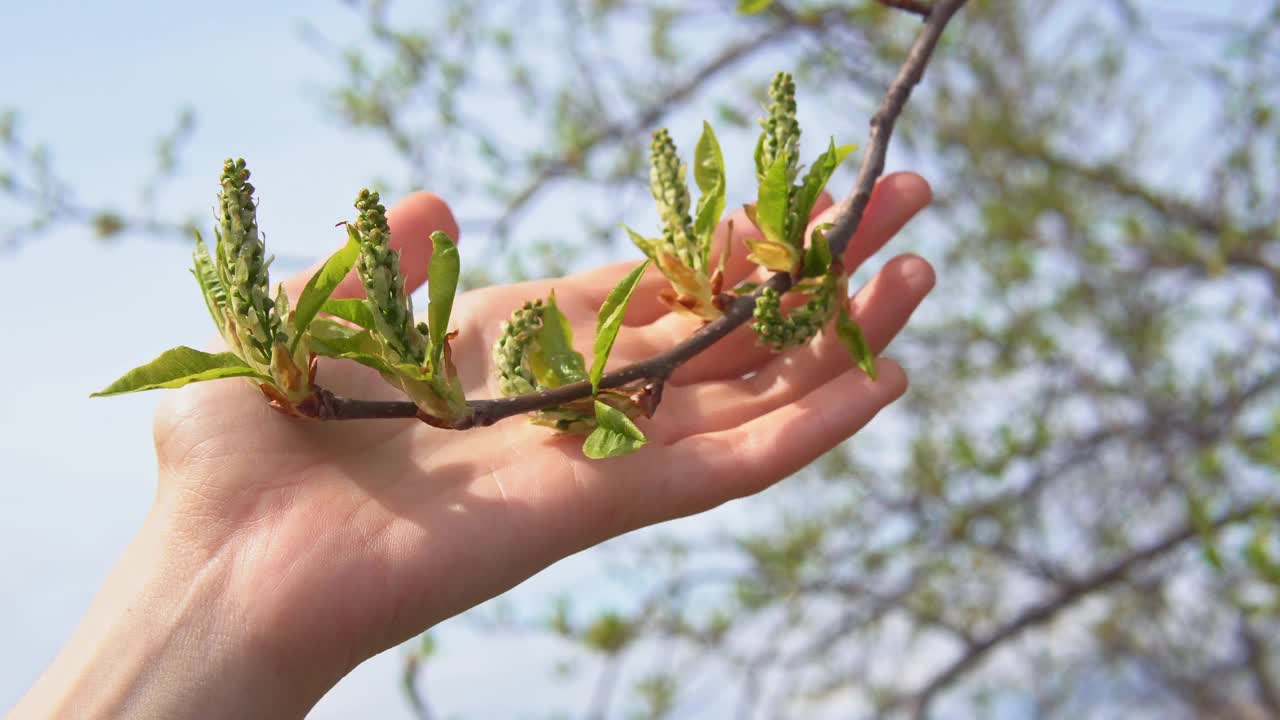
x=508, y=352
x=244, y=266
x=781, y=129
x=779, y=331
x=379, y=269
x=671, y=192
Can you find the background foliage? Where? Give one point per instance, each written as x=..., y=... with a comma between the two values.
x=1074, y=509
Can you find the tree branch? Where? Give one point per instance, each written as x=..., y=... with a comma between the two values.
x=656, y=370
x=1072, y=592
x=917, y=7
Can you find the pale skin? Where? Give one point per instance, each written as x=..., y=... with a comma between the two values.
x=280, y=552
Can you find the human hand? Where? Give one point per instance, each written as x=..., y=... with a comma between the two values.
x=307, y=547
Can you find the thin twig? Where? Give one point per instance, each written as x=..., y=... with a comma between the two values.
x=1071, y=593
x=660, y=367
x=923, y=9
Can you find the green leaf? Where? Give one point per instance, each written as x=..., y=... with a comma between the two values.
x=609, y=321
x=817, y=260
x=330, y=339
x=815, y=180
x=708, y=171
x=648, y=246
x=759, y=158
x=776, y=256
x=322, y=284
x=353, y=310
x=180, y=366
x=614, y=435
x=1203, y=524
x=708, y=162
x=851, y=335
x=211, y=285
x=771, y=205
x=751, y=7
x=442, y=279
x=552, y=358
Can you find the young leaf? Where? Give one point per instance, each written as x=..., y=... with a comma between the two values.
x=211, y=286
x=553, y=360
x=708, y=162
x=352, y=310
x=614, y=435
x=771, y=205
x=180, y=366
x=322, y=284
x=851, y=335
x=442, y=279
x=815, y=180
x=776, y=256
x=609, y=321
x=708, y=171
x=329, y=339
x=649, y=246
x=818, y=258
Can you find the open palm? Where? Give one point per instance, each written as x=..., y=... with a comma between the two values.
x=353, y=536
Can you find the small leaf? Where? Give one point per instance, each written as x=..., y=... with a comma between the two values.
x=180, y=366
x=817, y=260
x=759, y=158
x=553, y=360
x=708, y=171
x=751, y=7
x=211, y=286
x=775, y=256
x=609, y=321
x=442, y=279
x=851, y=335
x=708, y=162
x=614, y=435
x=1203, y=524
x=353, y=310
x=322, y=284
x=815, y=180
x=648, y=246
x=771, y=205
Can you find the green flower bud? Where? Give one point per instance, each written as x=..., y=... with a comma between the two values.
x=671, y=192
x=379, y=269
x=781, y=129
x=779, y=331
x=243, y=265
x=508, y=352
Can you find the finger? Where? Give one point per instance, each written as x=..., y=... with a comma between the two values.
x=895, y=199
x=412, y=220
x=719, y=466
x=882, y=309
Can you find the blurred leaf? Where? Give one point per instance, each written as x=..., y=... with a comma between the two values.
x=751, y=7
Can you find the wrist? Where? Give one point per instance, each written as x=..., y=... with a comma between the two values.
x=171, y=635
